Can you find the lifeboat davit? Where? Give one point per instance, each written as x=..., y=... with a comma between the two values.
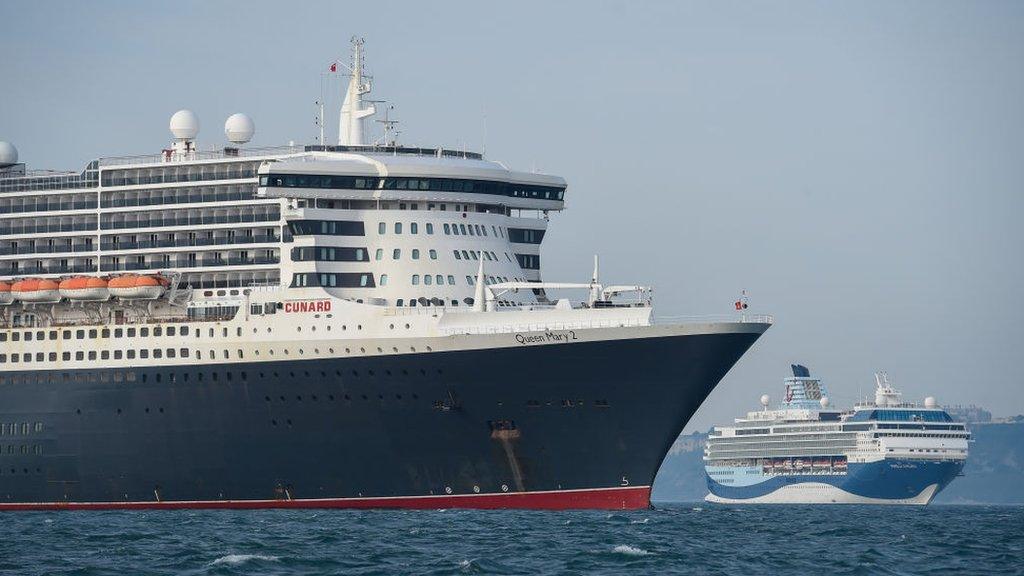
x=35, y=290
x=5, y=293
x=137, y=287
x=85, y=288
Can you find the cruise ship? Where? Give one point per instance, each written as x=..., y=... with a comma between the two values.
x=806, y=452
x=355, y=325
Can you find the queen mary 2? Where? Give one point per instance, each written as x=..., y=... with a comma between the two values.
x=339, y=326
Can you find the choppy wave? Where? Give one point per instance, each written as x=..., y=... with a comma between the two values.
x=627, y=550
x=672, y=539
x=242, y=558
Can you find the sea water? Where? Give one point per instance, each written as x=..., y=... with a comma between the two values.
x=670, y=539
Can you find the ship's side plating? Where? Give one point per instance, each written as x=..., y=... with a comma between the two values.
x=506, y=420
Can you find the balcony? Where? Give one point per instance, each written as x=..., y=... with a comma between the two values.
x=159, y=222
x=47, y=249
x=186, y=242
x=185, y=263
x=48, y=207
x=53, y=269
x=191, y=198
x=45, y=228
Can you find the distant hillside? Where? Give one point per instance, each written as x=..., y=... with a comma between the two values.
x=994, y=473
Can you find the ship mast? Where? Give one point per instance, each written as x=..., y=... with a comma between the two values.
x=350, y=125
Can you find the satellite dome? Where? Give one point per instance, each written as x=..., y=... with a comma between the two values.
x=930, y=402
x=764, y=400
x=239, y=128
x=8, y=154
x=823, y=401
x=184, y=125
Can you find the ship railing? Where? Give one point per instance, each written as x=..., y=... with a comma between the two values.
x=542, y=327
x=201, y=155
x=715, y=318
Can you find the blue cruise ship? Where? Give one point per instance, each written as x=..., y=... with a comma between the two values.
x=805, y=452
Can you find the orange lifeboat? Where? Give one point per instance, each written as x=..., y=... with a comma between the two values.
x=137, y=287
x=35, y=290
x=5, y=293
x=85, y=288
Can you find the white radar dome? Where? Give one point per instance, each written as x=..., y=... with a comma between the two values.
x=184, y=125
x=823, y=401
x=765, y=400
x=930, y=402
x=239, y=128
x=8, y=153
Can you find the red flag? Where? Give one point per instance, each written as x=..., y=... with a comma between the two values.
x=334, y=67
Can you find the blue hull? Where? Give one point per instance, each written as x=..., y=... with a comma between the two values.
x=887, y=480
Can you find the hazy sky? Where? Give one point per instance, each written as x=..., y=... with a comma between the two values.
x=857, y=167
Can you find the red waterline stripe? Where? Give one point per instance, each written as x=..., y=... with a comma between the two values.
x=631, y=498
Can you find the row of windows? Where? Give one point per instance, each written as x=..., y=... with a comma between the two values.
x=475, y=255
x=19, y=428
x=472, y=230
x=335, y=254
x=91, y=355
x=449, y=229
x=414, y=228
x=131, y=376
x=396, y=254
x=418, y=184
x=439, y=280
x=332, y=280
x=428, y=280
x=326, y=227
x=25, y=449
x=81, y=334
x=909, y=435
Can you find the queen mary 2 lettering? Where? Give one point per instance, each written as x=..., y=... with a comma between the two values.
x=354, y=325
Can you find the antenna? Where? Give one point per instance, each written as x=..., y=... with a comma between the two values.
x=390, y=132
x=350, y=124
x=320, y=105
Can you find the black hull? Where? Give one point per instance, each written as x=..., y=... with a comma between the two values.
x=531, y=419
